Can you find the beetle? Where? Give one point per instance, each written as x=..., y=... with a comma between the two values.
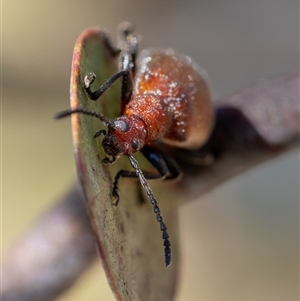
x=164, y=98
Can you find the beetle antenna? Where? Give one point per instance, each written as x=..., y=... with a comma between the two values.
x=84, y=111
x=163, y=227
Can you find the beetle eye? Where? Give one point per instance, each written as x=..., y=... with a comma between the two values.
x=135, y=144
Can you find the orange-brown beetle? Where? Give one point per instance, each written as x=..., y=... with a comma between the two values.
x=164, y=97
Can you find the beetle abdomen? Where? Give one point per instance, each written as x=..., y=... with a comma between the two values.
x=174, y=89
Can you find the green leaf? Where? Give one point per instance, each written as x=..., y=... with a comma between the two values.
x=128, y=236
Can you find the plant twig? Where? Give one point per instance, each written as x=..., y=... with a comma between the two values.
x=51, y=255
x=252, y=126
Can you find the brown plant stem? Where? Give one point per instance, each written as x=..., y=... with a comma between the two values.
x=252, y=126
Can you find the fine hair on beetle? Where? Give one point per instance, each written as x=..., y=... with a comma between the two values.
x=164, y=97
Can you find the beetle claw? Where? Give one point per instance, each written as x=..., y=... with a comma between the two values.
x=89, y=79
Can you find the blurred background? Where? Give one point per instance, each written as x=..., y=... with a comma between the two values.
x=241, y=241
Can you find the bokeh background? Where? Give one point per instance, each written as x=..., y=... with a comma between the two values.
x=241, y=241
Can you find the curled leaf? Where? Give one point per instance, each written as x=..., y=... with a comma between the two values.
x=128, y=236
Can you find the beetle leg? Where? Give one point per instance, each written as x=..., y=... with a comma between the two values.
x=90, y=78
x=127, y=44
x=164, y=164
